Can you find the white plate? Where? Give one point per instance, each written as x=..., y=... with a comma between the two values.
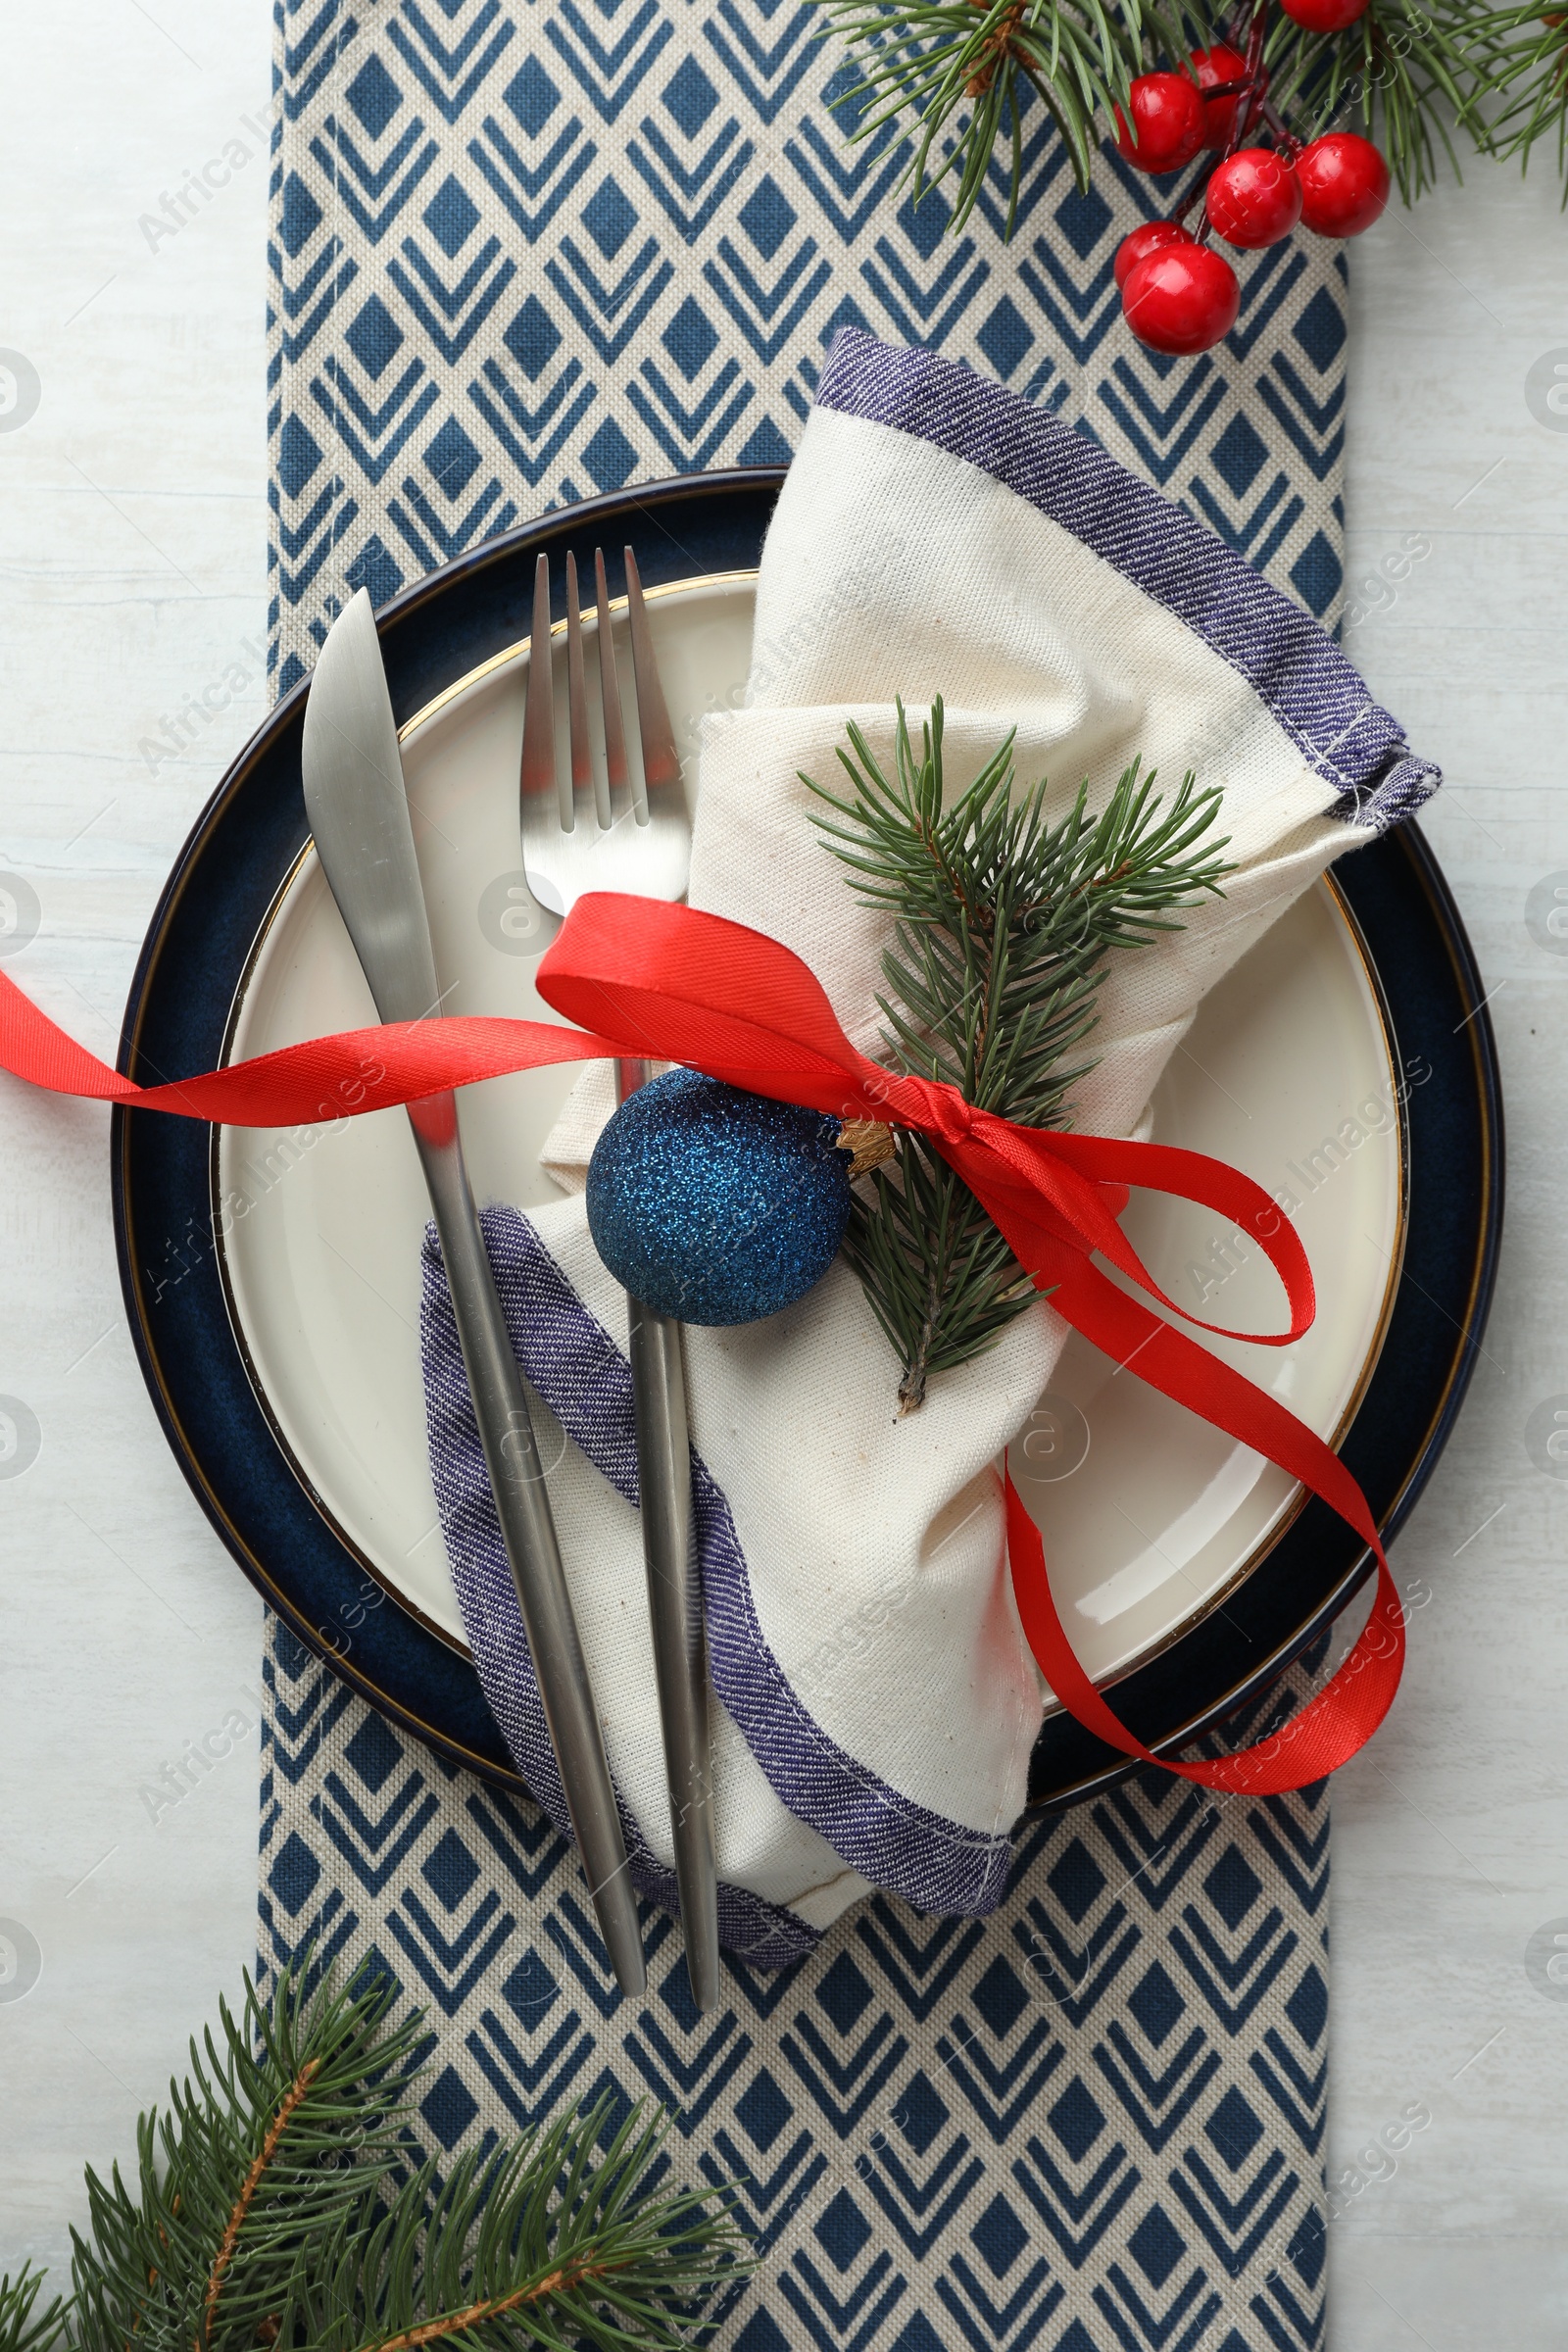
x=1149, y=1516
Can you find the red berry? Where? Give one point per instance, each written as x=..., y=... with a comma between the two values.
x=1181, y=299
x=1325, y=15
x=1167, y=123
x=1152, y=237
x=1345, y=184
x=1253, y=198
x=1222, y=116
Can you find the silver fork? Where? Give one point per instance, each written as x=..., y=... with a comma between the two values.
x=577, y=837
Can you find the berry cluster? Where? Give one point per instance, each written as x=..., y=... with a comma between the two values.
x=1177, y=293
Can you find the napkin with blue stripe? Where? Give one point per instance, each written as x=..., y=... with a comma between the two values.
x=936, y=533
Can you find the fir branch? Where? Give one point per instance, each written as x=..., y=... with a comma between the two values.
x=969, y=65
x=1002, y=924
x=293, y=2098
x=957, y=77
x=276, y=2205
x=264, y=2149
x=539, y=2244
x=1404, y=75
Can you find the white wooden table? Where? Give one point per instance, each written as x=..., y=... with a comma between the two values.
x=132, y=614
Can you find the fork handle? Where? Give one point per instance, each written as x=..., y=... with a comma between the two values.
x=657, y=1355
x=675, y=1612
x=529, y=1532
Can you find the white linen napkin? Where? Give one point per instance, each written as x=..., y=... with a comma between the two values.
x=875, y=1700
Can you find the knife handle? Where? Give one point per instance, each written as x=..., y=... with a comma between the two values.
x=529, y=1531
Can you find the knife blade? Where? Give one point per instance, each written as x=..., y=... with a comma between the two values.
x=357, y=802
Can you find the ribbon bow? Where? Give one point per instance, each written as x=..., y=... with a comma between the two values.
x=671, y=984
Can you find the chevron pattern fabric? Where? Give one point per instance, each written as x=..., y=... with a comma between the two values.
x=523, y=253
x=1091, y=2123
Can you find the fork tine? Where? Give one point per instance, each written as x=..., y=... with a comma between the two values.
x=660, y=759
x=616, y=772
x=540, y=783
x=586, y=812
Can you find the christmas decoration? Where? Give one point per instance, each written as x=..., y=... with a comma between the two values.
x=1139, y=243
x=1220, y=68
x=1336, y=185
x=1405, y=71
x=1167, y=125
x=668, y=981
x=1345, y=184
x=1003, y=925
x=1324, y=15
x=1401, y=73
x=1182, y=300
x=277, y=2203
x=714, y=1205
x=1253, y=198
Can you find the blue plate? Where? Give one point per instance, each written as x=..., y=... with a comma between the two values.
x=191, y=963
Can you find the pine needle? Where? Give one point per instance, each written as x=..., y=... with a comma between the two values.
x=1528, y=52
x=1004, y=922
x=24, y=2327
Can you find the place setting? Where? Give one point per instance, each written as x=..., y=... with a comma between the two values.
x=833, y=1385
x=807, y=1163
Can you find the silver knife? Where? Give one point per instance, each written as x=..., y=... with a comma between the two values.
x=357, y=802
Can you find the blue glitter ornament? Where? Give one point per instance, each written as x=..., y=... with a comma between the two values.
x=715, y=1205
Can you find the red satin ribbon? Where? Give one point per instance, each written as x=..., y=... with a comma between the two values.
x=677, y=985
